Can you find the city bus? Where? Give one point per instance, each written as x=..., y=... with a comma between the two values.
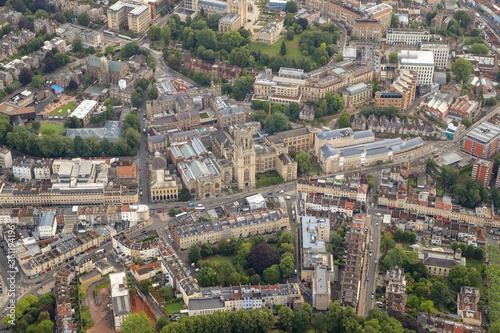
x=107, y=32
x=199, y=208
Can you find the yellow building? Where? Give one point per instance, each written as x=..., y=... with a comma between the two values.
x=213, y=231
x=401, y=92
x=136, y=17
x=163, y=187
x=357, y=95
x=139, y=19
x=368, y=29
x=300, y=139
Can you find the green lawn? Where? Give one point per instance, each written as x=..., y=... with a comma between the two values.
x=103, y=285
x=221, y=259
x=57, y=128
x=467, y=171
x=204, y=115
x=292, y=48
x=174, y=307
x=474, y=264
x=64, y=109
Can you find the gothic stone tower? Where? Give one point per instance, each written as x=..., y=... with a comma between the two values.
x=244, y=159
x=239, y=7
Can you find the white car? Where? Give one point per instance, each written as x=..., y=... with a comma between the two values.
x=378, y=214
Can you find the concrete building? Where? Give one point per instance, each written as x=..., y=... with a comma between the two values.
x=342, y=137
x=84, y=111
x=48, y=225
x=42, y=169
x=23, y=169
x=395, y=292
x=468, y=308
x=368, y=29
x=163, y=186
x=407, y=36
x=244, y=297
x=139, y=19
x=357, y=95
x=482, y=141
x=271, y=32
x=136, y=17
x=299, y=139
x=145, y=272
x=440, y=51
x=482, y=171
x=119, y=298
x=439, y=105
x=420, y=61
x=340, y=159
x=439, y=262
x=236, y=17
x=135, y=214
x=250, y=224
x=5, y=158
x=14, y=111
x=401, y=93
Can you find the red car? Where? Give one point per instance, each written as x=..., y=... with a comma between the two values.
x=159, y=211
x=140, y=169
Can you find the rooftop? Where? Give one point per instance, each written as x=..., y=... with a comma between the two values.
x=416, y=58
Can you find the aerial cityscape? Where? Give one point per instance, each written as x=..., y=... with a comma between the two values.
x=193, y=166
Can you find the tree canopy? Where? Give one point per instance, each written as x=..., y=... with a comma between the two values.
x=462, y=69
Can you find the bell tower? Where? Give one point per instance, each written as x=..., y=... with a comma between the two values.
x=244, y=159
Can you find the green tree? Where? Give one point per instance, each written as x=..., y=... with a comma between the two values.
x=458, y=277
x=395, y=257
x=304, y=163
x=194, y=254
x=45, y=326
x=467, y=122
x=153, y=92
x=440, y=295
x=77, y=45
x=290, y=35
x=37, y=81
x=36, y=125
x=154, y=33
x=185, y=195
x=25, y=76
x=339, y=58
x=387, y=243
x=242, y=86
x=109, y=50
x=291, y=7
x=272, y=274
x=462, y=69
x=394, y=21
x=492, y=101
x=262, y=256
x=283, y=48
x=129, y=49
x=276, y=122
x=285, y=318
x=61, y=59
x=463, y=18
x=393, y=57
x=137, y=322
x=206, y=250
x=478, y=48
x=344, y=120
x=83, y=19
x=287, y=265
x=427, y=306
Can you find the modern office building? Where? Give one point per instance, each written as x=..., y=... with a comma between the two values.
x=136, y=17
x=420, y=61
x=482, y=141
x=5, y=158
x=482, y=171
x=84, y=111
x=440, y=51
x=407, y=36
x=357, y=95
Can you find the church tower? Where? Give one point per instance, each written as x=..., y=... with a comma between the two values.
x=239, y=7
x=104, y=73
x=244, y=159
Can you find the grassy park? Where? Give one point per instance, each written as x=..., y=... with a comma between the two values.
x=292, y=48
x=49, y=126
x=62, y=110
x=174, y=307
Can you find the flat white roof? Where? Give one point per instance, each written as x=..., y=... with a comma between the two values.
x=417, y=58
x=117, y=279
x=255, y=199
x=138, y=10
x=84, y=108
